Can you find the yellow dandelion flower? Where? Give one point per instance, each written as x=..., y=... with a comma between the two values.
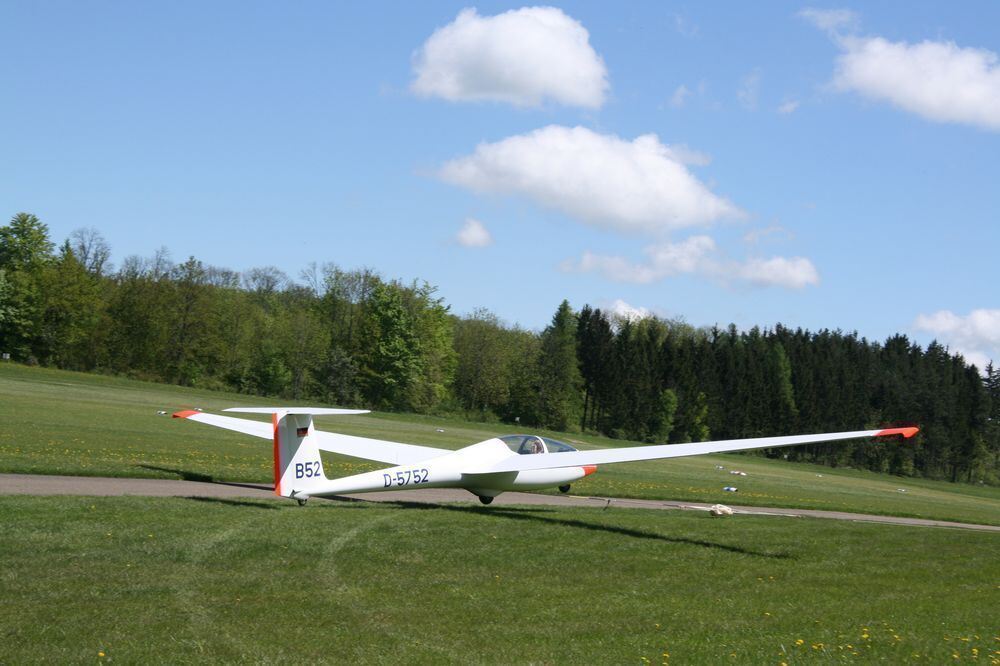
x=799, y=641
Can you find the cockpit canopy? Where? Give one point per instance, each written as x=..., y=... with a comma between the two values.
x=527, y=444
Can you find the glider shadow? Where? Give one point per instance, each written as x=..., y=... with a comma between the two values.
x=273, y=506
x=534, y=515
x=187, y=475
x=183, y=473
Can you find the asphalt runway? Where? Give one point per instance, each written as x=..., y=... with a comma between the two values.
x=35, y=484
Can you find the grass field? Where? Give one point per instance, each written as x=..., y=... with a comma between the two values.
x=56, y=422
x=175, y=580
x=139, y=580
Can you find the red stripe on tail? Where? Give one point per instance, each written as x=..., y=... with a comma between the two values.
x=277, y=456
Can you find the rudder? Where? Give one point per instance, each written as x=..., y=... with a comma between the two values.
x=298, y=467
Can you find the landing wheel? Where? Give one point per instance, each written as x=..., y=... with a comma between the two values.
x=301, y=502
x=564, y=489
x=486, y=500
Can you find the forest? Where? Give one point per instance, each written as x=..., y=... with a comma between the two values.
x=351, y=337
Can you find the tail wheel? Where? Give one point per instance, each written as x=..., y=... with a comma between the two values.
x=486, y=500
x=564, y=489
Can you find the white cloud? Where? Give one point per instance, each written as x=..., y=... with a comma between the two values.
x=664, y=260
x=976, y=336
x=474, y=234
x=680, y=96
x=830, y=20
x=623, y=310
x=788, y=107
x=603, y=180
x=937, y=80
x=698, y=255
x=749, y=90
x=790, y=273
x=522, y=57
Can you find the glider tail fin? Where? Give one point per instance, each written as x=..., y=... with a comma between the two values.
x=298, y=467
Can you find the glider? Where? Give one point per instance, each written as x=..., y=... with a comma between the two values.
x=486, y=469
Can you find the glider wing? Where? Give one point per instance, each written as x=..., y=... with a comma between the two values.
x=636, y=453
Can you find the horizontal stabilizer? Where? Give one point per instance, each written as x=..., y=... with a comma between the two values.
x=348, y=445
x=312, y=411
x=245, y=426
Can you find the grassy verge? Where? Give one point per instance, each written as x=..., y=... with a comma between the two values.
x=69, y=423
x=182, y=580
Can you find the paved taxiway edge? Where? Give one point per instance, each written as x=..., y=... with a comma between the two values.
x=38, y=484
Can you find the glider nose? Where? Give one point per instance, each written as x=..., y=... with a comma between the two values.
x=589, y=469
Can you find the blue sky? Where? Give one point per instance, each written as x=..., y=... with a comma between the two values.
x=819, y=166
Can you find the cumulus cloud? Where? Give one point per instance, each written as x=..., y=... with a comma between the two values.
x=937, y=80
x=664, y=260
x=698, y=255
x=523, y=57
x=623, y=310
x=633, y=186
x=976, y=336
x=474, y=234
x=791, y=273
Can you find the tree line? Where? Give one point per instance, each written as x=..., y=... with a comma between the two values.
x=354, y=338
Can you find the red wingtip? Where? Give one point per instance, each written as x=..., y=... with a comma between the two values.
x=185, y=413
x=905, y=432
x=589, y=469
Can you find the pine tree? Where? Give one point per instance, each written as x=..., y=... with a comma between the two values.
x=559, y=397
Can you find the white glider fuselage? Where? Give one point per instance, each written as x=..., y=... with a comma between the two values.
x=446, y=471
